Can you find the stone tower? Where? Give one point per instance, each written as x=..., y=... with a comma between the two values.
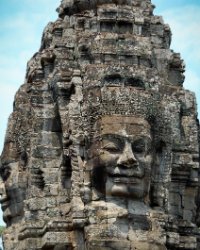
x=102, y=148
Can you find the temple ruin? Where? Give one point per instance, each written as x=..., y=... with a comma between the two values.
x=102, y=148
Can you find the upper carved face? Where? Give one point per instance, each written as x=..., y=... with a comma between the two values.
x=123, y=160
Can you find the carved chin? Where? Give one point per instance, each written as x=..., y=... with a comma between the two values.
x=7, y=215
x=119, y=190
x=12, y=211
x=133, y=191
x=130, y=192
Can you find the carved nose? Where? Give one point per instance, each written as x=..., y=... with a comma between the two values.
x=127, y=158
x=2, y=188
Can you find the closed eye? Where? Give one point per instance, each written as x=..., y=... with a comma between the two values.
x=112, y=143
x=139, y=146
x=5, y=172
x=138, y=149
x=111, y=147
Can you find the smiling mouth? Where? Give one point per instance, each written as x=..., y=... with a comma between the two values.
x=133, y=173
x=4, y=201
x=125, y=180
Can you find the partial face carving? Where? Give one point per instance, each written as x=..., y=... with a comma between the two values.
x=12, y=192
x=124, y=160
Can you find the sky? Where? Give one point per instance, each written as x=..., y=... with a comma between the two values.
x=22, y=23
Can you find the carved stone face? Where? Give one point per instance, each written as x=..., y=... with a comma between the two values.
x=123, y=163
x=12, y=194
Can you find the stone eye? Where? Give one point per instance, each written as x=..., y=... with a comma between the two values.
x=4, y=172
x=138, y=147
x=111, y=147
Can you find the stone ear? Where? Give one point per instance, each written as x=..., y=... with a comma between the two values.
x=157, y=174
x=99, y=178
x=160, y=150
x=66, y=171
x=23, y=159
x=83, y=148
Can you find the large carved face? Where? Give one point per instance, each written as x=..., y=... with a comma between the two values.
x=123, y=158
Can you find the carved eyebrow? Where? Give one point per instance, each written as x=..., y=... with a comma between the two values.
x=113, y=137
x=121, y=138
x=117, y=139
x=142, y=138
